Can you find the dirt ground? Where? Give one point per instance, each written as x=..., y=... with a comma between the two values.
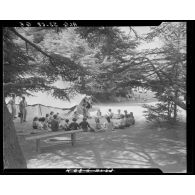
x=143, y=145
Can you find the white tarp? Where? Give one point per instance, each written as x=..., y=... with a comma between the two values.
x=39, y=110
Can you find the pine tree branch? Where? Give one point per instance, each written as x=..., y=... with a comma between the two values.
x=17, y=85
x=29, y=42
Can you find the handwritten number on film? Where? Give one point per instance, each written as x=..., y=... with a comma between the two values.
x=50, y=24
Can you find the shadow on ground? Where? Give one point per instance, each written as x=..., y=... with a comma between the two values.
x=137, y=147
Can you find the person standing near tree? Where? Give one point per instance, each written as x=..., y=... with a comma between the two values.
x=88, y=101
x=84, y=108
x=12, y=102
x=23, y=110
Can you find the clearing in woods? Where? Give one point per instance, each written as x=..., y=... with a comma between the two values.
x=141, y=146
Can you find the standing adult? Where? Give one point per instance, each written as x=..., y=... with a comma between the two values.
x=84, y=108
x=23, y=105
x=12, y=102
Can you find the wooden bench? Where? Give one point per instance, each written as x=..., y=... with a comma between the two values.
x=53, y=134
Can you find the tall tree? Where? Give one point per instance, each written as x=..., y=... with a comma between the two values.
x=28, y=68
x=169, y=61
x=112, y=48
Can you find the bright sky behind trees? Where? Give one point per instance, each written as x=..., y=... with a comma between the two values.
x=48, y=100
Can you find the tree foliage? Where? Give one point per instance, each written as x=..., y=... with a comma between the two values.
x=98, y=61
x=169, y=82
x=30, y=67
x=112, y=48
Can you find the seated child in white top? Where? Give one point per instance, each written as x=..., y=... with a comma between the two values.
x=75, y=115
x=37, y=124
x=58, y=117
x=109, y=126
x=109, y=113
x=98, y=114
x=121, y=123
x=50, y=118
x=98, y=125
x=44, y=123
x=118, y=115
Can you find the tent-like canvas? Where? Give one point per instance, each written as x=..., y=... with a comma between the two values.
x=40, y=110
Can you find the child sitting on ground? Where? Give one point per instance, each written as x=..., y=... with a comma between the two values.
x=76, y=115
x=47, y=118
x=74, y=125
x=58, y=117
x=61, y=123
x=97, y=123
x=132, y=118
x=98, y=114
x=128, y=121
x=50, y=118
x=44, y=123
x=51, y=115
x=66, y=125
x=84, y=125
x=54, y=124
x=121, y=124
x=109, y=113
x=125, y=111
x=97, y=119
x=118, y=115
x=36, y=123
x=108, y=126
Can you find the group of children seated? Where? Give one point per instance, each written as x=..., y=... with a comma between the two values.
x=121, y=120
x=55, y=122
x=45, y=122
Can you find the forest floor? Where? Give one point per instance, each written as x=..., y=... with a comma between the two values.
x=143, y=145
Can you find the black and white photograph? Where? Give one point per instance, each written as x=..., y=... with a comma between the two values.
x=95, y=98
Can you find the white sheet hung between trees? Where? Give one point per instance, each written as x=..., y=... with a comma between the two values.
x=40, y=109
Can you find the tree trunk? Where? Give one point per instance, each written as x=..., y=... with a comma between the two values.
x=169, y=109
x=12, y=153
x=83, y=84
x=175, y=107
x=177, y=101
